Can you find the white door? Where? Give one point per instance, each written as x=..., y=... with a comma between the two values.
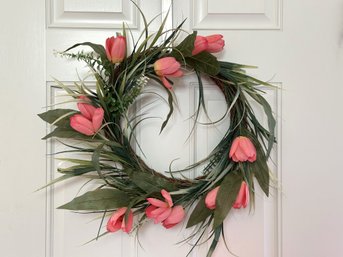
x=296, y=44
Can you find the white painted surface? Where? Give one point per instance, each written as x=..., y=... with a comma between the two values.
x=22, y=156
x=304, y=52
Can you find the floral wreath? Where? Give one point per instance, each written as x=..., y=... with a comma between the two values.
x=130, y=190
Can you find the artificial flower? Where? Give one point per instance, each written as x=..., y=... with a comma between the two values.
x=117, y=221
x=90, y=119
x=200, y=45
x=242, y=150
x=242, y=198
x=165, y=211
x=116, y=49
x=167, y=67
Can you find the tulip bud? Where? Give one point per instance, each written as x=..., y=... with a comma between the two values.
x=242, y=150
x=116, y=49
x=117, y=221
x=167, y=67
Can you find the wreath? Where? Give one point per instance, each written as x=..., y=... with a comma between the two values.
x=131, y=192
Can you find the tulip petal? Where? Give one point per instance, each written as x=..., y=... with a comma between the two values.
x=115, y=222
x=86, y=110
x=166, y=83
x=241, y=199
x=164, y=215
x=79, y=123
x=171, y=68
x=109, y=44
x=210, y=200
x=167, y=197
x=150, y=211
x=158, y=211
x=213, y=38
x=215, y=43
x=97, y=118
x=157, y=202
x=118, y=50
x=234, y=147
x=176, y=74
x=166, y=66
x=240, y=155
x=126, y=227
x=200, y=45
x=176, y=216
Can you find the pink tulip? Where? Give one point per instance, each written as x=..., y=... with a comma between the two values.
x=242, y=197
x=116, y=49
x=200, y=45
x=167, y=67
x=90, y=119
x=210, y=200
x=215, y=43
x=117, y=221
x=242, y=150
x=163, y=211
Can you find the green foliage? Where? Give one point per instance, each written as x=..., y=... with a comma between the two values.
x=199, y=214
x=98, y=200
x=260, y=170
x=150, y=183
x=204, y=62
x=58, y=117
x=185, y=48
x=226, y=197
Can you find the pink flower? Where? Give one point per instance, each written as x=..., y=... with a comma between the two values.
x=200, y=44
x=117, y=221
x=210, y=200
x=215, y=43
x=167, y=67
x=163, y=211
x=242, y=150
x=90, y=119
x=242, y=197
x=116, y=49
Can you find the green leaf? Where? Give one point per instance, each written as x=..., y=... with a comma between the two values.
x=98, y=200
x=260, y=170
x=53, y=115
x=77, y=170
x=217, y=233
x=199, y=214
x=56, y=180
x=185, y=48
x=99, y=49
x=171, y=110
x=204, y=62
x=150, y=183
x=62, y=132
x=271, y=120
x=160, y=30
x=226, y=197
